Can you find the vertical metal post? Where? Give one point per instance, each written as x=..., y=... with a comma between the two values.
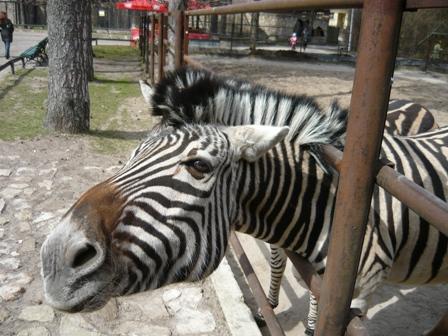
x=380, y=28
x=161, y=50
x=429, y=46
x=180, y=38
x=140, y=32
x=266, y=310
x=153, y=38
x=254, y=31
x=186, y=38
x=232, y=32
x=146, y=53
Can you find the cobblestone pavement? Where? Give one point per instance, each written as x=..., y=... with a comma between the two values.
x=39, y=180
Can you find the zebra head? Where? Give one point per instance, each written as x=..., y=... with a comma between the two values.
x=164, y=217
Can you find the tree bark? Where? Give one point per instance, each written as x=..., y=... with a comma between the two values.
x=68, y=95
x=87, y=35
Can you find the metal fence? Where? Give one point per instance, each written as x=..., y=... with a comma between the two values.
x=359, y=162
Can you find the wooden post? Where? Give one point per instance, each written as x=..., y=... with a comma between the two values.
x=175, y=6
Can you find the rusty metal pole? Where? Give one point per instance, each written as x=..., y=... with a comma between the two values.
x=147, y=46
x=186, y=39
x=380, y=28
x=153, y=37
x=314, y=284
x=180, y=38
x=266, y=310
x=161, y=50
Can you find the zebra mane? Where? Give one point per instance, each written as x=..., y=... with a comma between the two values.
x=188, y=96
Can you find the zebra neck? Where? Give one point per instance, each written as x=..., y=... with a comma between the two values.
x=283, y=192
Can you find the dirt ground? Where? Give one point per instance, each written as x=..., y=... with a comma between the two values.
x=395, y=310
x=50, y=172
x=326, y=82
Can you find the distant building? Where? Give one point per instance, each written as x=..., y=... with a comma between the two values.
x=347, y=22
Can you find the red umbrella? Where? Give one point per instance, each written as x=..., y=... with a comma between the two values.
x=196, y=4
x=143, y=5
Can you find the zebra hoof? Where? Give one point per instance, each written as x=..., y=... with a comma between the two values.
x=309, y=332
x=259, y=319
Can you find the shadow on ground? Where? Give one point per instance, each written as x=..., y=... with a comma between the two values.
x=121, y=135
x=15, y=82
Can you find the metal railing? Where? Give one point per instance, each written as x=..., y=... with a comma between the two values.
x=11, y=62
x=358, y=166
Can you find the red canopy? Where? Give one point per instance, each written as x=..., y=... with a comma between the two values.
x=143, y=5
x=159, y=6
x=196, y=4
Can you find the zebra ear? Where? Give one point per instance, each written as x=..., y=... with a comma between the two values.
x=253, y=141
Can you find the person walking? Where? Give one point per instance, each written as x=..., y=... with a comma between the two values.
x=6, y=31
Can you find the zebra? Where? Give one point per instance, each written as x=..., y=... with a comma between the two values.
x=404, y=118
x=229, y=155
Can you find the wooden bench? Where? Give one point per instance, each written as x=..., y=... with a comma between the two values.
x=36, y=52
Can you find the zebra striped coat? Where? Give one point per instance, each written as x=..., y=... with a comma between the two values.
x=167, y=214
x=404, y=118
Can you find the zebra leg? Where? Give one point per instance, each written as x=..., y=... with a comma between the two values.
x=277, y=262
x=278, y=265
x=312, y=316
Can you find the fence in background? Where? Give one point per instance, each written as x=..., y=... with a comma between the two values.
x=377, y=51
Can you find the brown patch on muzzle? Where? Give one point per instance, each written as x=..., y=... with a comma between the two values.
x=97, y=211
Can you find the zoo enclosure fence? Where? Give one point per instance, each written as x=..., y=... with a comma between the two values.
x=377, y=52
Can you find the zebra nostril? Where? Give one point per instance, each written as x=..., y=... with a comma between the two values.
x=84, y=255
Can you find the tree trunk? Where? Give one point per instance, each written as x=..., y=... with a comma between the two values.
x=87, y=35
x=68, y=95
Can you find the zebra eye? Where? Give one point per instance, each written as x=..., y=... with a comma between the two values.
x=198, y=167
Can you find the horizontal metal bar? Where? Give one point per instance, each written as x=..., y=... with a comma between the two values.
x=425, y=204
x=275, y=5
x=313, y=281
x=10, y=63
x=255, y=286
x=268, y=5
x=421, y=201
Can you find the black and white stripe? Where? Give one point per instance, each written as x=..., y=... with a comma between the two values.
x=285, y=198
x=404, y=118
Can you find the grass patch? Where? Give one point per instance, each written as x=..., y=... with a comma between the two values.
x=22, y=104
x=108, y=120
x=115, y=52
x=113, y=126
